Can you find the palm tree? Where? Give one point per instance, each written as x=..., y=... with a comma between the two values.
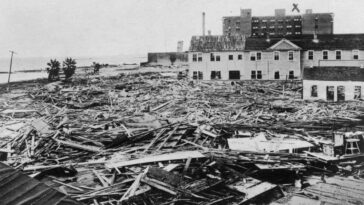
x=69, y=67
x=53, y=70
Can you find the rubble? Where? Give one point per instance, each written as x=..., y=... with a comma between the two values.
x=148, y=138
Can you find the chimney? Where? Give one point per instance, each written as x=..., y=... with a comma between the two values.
x=280, y=12
x=203, y=23
x=315, y=40
x=308, y=11
x=209, y=32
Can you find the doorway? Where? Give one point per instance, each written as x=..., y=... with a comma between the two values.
x=234, y=75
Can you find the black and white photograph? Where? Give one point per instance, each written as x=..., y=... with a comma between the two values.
x=181, y=102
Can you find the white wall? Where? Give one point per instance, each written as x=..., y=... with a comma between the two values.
x=321, y=89
x=267, y=65
x=346, y=59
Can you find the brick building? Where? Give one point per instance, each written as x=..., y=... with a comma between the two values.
x=278, y=25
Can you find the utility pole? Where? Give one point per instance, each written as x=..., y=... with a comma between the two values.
x=11, y=62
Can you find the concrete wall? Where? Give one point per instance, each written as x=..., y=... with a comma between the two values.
x=267, y=65
x=346, y=59
x=164, y=58
x=322, y=86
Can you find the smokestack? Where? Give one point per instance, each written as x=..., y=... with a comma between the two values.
x=203, y=23
x=315, y=40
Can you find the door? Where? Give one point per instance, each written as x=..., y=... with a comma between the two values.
x=234, y=75
x=330, y=93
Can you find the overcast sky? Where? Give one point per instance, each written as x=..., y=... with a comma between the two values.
x=116, y=27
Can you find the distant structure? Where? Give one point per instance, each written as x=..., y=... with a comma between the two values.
x=180, y=46
x=278, y=25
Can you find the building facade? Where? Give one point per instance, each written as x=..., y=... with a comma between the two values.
x=239, y=58
x=333, y=83
x=278, y=25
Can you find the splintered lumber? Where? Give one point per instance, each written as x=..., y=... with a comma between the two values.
x=157, y=158
x=78, y=146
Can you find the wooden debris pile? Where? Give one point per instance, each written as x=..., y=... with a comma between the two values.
x=149, y=139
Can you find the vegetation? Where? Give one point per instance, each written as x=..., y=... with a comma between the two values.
x=97, y=67
x=69, y=67
x=173, y=58
x=53, y=70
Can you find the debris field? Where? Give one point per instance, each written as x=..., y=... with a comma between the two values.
x=148, y=138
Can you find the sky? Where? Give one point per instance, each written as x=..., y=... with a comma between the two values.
x=35, y=28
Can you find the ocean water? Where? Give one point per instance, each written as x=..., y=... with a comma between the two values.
x=40, y=63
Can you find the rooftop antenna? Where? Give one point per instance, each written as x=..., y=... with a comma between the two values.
x=11, y=63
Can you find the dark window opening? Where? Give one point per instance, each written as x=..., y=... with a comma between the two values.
x=276, y=75
x=314, y=91
x=290, y=55
x=212, y=57
x=199, y=57
x=234, y=75
x=215, y=75
x=217, y=58
x=276, y=55
x=240, y=57
x=340, y=93
x=357, y=92
x=194, y=57
x=330, y=92
x=197, y=75
x=338, y=55
x=252, y=56
x=231, y=57
x=259, y=56
x=253, y=75
x=356, y=55
x=310, y=55
x=325, y=55
x=291, y=74
x=259, y=74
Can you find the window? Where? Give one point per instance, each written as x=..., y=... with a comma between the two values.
x=200, y=57
x=356, y=54
x=197, y=75
x=231, y=57
x=234, y=75
x=290, y=55
x=357, y=92
x=254, y=75
x=291, y=74
x=289, y=33
x=215, y=75
x=314, y=91
x=194, y=57
x=310, y=55
x=252, y=56
x=240, y=57
x=276, y=55
x=259, y=56
x=340, y=93
x=338, y=55
x=298, y=26
x=297, y=33
x=289, y=26
x=325, y=55
x=276, y=75
x=259, y=74
x=217, y=58
x=212, y=57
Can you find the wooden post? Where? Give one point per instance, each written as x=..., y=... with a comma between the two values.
x=11, y=62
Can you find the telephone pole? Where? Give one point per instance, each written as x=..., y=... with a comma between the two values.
x=11, y=62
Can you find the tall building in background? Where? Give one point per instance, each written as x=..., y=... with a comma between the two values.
x=278, y=25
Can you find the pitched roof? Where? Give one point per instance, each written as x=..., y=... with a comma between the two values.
x=284, y=44
x=335, y=73
x=217, y=43
x=325, y=42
